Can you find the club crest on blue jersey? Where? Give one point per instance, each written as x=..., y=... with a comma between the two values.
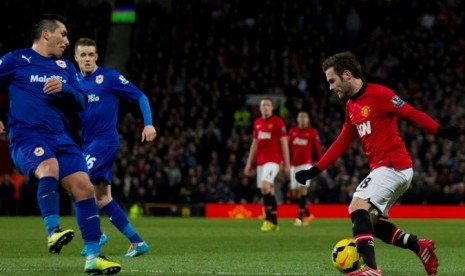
x=99, y=79
x=39, y=151
x=61, y=63
x=398, y=102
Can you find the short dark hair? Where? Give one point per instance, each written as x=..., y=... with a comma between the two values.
x=47, y=21
x=84, y=41
x=344, y=61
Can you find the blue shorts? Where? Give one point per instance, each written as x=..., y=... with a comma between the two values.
x=28, y=151
x=100, y=161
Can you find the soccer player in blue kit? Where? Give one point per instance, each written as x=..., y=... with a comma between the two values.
x=100, y=139
x=41, y=86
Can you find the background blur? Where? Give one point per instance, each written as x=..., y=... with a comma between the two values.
x=205, y=64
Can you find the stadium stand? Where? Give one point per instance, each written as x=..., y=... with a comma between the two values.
x=199, y=62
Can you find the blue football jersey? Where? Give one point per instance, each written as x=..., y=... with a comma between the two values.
x=104, y=88
x=25, y=72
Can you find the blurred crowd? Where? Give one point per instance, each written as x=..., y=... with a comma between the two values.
x=197, y=62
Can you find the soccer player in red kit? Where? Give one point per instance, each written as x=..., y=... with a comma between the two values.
x=303, y=142
x=372, y=111
x=270, y=148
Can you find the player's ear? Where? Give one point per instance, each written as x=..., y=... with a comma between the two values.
x=347, y=75
x=46, y=34
x=96, y=57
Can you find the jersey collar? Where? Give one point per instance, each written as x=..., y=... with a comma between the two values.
x=360, y=92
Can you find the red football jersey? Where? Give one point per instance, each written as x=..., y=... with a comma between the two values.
x=302, y=142
x=372, y=115
x=267, y=133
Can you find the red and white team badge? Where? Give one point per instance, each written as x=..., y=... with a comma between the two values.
x=366, y=111
x=39, y=151
x=61, y=63
x=99, y=79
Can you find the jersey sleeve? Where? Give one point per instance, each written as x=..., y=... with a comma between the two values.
x=404, y=110
x=282, y=132
x=73, y=91
x=339, y=146
x=123, y=88
x=6, y=68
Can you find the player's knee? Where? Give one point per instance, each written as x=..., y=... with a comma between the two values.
x=266, y=187
x=102, y=200
x=359, y=204
x=80, y=186
x=48, y=167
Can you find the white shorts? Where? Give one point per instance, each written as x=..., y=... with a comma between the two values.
x=294, y=169
x=382, y=187
x=267, y=172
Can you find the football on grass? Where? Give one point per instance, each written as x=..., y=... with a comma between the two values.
x=345, y=257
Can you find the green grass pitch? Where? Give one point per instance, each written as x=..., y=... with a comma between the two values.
x=199, y=246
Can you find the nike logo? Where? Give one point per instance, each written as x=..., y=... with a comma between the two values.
x=344, y=261
x=95, y=216
x=26, y=58
x=47, y=195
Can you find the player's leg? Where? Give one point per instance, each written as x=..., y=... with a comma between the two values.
x=294, y=186
x=266, y=199
x=265, y=179
x=300, y=196
x=391, y=234
x=119, y=219
x=423, y=248
x=372, y=194
x=74, y=178
x=33, y=156
x=309, y=217
x=363, y=230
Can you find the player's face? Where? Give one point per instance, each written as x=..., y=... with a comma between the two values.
x=57, y=41
x=339, y=84
x=266, y=108
x=303, y=120
x=86, y=58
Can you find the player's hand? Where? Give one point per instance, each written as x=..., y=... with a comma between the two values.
x=304, y=175
x=248, y=170
x=2, y=128
x=149, y=134
x=449, y=132
x=287, y=170
x=53, y=86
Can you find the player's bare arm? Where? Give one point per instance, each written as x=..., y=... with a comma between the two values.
x=285, y=151
x=248, y=166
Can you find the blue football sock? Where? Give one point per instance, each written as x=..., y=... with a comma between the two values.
x=48, y=200
x=120, y=221
x=88, y=221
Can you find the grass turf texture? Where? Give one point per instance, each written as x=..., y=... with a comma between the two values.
x=198, y=246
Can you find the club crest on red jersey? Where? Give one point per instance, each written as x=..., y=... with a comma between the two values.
x=366, y=110
x=398, y=102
